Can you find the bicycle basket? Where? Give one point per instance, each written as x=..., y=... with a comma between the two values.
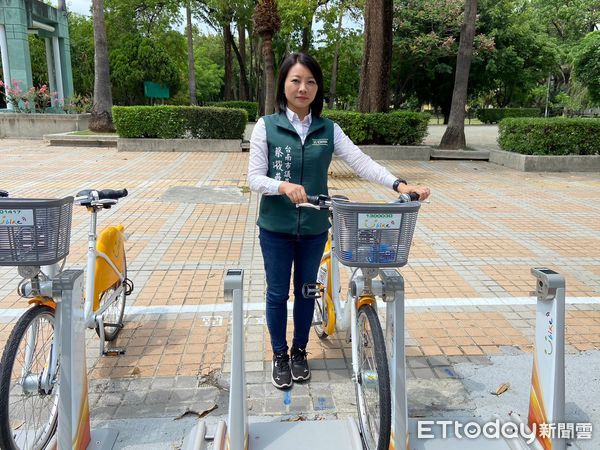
x=34, y=232
x=373, y=235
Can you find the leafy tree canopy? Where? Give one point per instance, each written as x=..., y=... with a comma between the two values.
x=587, y=65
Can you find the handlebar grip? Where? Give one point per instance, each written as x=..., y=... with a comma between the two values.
x=404, y=198
x=314, y=199
x=112, y=194
x=3, y=193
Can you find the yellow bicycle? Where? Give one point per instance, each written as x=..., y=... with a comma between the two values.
x=369, y=237
x=35, y=237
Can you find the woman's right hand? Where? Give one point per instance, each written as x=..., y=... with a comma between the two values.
x=295, y=192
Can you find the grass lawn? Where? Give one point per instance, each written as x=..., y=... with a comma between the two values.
x=440, y=121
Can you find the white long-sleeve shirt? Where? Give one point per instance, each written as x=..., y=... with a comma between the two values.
x=343, y=147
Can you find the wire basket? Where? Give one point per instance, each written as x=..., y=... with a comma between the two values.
x=34, y=232
x=373, y=235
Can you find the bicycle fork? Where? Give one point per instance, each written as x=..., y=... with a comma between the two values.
x=42, y=383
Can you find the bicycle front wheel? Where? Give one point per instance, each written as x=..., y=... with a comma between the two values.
x=28, y=404
x=320, y=319
x=113, y=315
x=373, y=382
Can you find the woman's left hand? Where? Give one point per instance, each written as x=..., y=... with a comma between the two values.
x=423, y=191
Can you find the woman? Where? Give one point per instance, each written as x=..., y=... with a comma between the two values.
x=290, y=153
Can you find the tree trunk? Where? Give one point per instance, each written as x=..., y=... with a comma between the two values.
x=306, y=35
x=227, y=39
x=101, y=117
x=191, y=65
x=244, y=83
x=376, y=66
x=454, y=137
x=267, y=51
x=334, y=66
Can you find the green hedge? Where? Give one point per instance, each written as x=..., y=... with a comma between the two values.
x=554, y=136
x=179, y=122
x=495, y=115
x=250, y=107
x=395, y=128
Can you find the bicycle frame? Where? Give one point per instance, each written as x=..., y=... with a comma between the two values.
x=101, y=271
x=344, y=316
x=362, y=288
x=101, y=274
x=342, y=312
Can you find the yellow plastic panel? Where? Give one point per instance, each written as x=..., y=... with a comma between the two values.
x=111, y=242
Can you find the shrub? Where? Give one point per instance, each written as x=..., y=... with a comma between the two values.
x=395, y=128
x=250, y=107
x=179, y=122
x=555, y=136
x=495, y=115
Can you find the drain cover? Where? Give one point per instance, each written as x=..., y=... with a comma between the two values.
x=227, y=195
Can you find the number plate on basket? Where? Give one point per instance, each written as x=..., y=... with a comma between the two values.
x=16, y=217
x=377, y=221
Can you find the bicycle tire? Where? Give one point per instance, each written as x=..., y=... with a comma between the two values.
x=373, y=383
x=17, y=438
x=320, y=318
x=111, y=332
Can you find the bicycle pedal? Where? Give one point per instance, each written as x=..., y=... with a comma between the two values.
x=114, y=352
x=312, y=290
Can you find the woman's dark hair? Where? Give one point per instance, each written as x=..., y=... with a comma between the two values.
x=311, y=64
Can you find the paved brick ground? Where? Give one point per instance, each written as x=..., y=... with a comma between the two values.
x=467, y=283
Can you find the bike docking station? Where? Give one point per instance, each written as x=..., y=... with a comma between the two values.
x=237, y=433
x=547, y=393
x=74, y=429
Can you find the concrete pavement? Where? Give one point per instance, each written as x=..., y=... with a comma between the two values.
x=467, y=282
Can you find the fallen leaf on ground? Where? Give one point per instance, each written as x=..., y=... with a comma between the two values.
x=502, y=389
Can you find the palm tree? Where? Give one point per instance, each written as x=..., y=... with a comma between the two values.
x=454, y=136
x=266, y=23
x=101, y=118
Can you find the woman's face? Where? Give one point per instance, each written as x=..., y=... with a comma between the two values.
x=300, y=89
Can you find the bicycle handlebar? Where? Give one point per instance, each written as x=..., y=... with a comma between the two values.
x=89, y=197
x=3, y=193
x=323, y=201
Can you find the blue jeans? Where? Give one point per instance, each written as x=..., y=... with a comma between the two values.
x=279, y=251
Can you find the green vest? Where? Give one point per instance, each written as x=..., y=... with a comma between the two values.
x=306, y=164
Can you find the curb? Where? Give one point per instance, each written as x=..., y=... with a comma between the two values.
x=535, y=163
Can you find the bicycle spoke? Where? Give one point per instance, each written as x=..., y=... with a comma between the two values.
x=31, y=411
x=373, y=386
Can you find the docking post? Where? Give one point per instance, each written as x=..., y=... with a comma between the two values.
x=547, y=397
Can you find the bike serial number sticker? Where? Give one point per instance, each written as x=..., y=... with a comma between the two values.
x=16, y=217
x=373, y=221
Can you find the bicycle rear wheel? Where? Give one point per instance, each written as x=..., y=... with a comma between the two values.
x=28, y=411
x=113, y=316
x=373, y=382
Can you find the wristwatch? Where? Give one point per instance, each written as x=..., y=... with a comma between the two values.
x=397, y=183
